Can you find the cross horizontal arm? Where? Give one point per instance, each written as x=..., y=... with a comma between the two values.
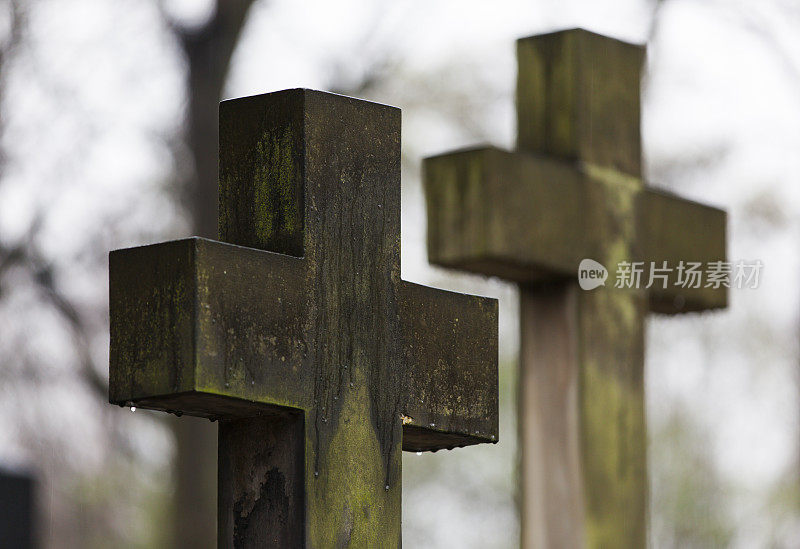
x=207, y=329
x=450, y=341
x=676, y=230
x=503, y=214
x=528, y=218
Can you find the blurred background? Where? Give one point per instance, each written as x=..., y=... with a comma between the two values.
x=108, y=139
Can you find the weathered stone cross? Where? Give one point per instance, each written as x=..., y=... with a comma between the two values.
x=574, y=191
x=298, y=334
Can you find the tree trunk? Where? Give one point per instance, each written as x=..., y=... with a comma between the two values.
x=208, y=52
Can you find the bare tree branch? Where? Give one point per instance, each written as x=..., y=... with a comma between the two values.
x=25, y=255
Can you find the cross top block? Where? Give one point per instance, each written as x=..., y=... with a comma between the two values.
x=578, y=97
x=300, y=319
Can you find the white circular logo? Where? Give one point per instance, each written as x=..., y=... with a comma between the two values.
x=591, y=274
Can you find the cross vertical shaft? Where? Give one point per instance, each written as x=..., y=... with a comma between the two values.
x=574, y=190
x=317, y=177
x=578, y=98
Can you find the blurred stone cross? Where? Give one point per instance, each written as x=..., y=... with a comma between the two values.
x=572, y=192
x=297, y=333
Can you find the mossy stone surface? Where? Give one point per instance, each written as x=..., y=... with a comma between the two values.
x=297, y=332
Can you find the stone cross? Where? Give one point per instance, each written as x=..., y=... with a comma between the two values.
x=297, y=333
x=574, y=190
